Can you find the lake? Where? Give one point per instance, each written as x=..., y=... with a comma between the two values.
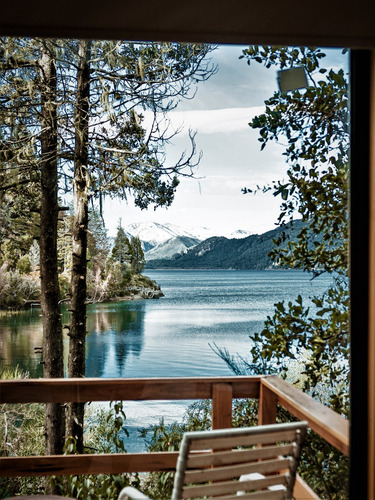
x=170, y=336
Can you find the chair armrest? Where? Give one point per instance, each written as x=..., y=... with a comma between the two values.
x=132, y=494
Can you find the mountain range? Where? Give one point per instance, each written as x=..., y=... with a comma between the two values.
x=169, y=246
x=164, y=241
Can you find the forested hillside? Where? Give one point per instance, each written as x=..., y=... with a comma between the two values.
x=113, y=270
x=223, y=253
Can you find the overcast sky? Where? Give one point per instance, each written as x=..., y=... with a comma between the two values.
x=220, y=113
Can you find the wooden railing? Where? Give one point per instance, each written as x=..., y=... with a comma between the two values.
x=270, y=390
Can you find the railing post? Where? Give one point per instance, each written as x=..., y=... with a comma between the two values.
x=267, y=406
x=222, y=406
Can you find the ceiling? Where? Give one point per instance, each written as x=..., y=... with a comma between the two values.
x=325, y=23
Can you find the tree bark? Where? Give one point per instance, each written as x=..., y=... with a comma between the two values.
x=81, y=185
x=51, y=318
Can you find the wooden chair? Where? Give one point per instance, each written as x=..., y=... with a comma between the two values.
x=257, y=463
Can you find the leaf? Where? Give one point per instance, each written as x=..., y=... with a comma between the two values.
x=284, y=194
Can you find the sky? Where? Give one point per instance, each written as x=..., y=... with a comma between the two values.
x=231, y=156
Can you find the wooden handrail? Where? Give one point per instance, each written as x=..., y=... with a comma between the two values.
x=269, y=389
x=328, y=424
x=82, y=390
x=112, y=463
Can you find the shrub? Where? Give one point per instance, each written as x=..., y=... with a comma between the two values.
x=104, y=432
x=64, y=285
x=16, y=288
x=168, y=438
x=21, y=434
x=23, y=264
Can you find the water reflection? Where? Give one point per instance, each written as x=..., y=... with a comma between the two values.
x=115, y=332
x=20, y=333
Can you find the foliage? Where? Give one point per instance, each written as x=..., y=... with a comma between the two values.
x=121, y=247
x=98, y=244
x=314, y=124
x=18, y=219
x=167, y=437
x=74, y=108
x=104, y=433
x=16, y=287
x=322, y=466
x=137, y=256
x=128, y=253
x=107, y=277
x=124, y=79
x=23, y=265
x=21, y=434
x=64, y=284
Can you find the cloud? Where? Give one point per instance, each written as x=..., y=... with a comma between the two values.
x=213, y=121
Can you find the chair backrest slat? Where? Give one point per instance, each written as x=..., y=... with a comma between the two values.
x=236, y=456
x=226, y=487
x=221, y=443
x=237, y=470
x=259, y=495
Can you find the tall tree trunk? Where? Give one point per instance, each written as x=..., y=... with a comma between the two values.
x=77, y=334
x=52, y=328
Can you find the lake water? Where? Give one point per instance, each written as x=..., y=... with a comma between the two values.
x=166, y=337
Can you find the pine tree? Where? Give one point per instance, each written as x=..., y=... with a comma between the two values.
x=29, y=144
x=137, y=256
x=77, y=106
x=114, y=154
x=121, y=248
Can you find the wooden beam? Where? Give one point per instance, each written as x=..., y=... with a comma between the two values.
x=341, y=24
x=267, y=406
x=96, y=389
x=371, y=303
x=222, y=406
x=361, y=271
x=66, y=465
x=329, y=425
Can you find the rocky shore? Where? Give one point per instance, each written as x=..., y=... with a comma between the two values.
x=140, y=287
x=139, y=293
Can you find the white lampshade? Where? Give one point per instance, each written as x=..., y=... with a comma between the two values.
x=292, y=79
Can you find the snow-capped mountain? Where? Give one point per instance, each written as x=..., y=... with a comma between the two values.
x=203, y=233
x=162, y=241
x=155, y=233
x=171, y=247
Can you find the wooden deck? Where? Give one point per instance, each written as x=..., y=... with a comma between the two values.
x=270, y=390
